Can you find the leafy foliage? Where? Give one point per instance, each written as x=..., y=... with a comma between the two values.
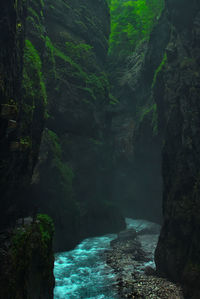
x=33, y=82
x=131, y=22
x=159, y=69
x=81, y=68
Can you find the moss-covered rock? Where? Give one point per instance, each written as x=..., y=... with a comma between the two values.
x=52, y=192
x=74, y=38
x=134, y=119
x=27, y=260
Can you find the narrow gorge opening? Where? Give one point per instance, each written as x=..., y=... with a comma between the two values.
x=132, y=68
x=131, y=142
x=96, y=98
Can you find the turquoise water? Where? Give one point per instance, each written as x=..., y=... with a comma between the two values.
x=83, y=274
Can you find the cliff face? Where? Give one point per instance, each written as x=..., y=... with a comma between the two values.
x=27, y=260
x=71, y=179
x=21, y=110
x=12, y=37
x=136, y=178
x=26, y=255
x=177, y=96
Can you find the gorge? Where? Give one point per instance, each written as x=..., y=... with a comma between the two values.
x=99, y=120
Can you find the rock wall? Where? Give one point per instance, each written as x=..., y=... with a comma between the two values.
x=27, y=260
x=26, y=255
x=71, y=179
x=176, y=93
x=22, y=99
x=12, y=38
x=136, y=177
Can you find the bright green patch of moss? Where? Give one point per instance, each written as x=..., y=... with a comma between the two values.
x=131, y=22
x=33, y=81
x=81, y=67
x=29, y=243
x=159, y=69
x=150, y=111
x=46, y=228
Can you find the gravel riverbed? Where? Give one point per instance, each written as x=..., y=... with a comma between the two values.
x=132, y=258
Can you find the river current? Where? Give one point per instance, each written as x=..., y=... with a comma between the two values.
x=82, y=273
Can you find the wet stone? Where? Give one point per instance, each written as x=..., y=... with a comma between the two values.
x=133, y=262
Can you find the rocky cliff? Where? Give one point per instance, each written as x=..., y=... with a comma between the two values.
x=26, y=250
x=22, y=107
x=136, y=178
x=27, y=259
x=176, y=93
x=71, y=179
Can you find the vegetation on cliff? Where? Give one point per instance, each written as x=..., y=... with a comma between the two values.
x=28, y=263
x=131, y=23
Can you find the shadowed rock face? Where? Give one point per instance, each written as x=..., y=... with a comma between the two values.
x=136, y=177
x=177, y=95
x=27, y=260
x=26, y=255
x=12, y=40
x=71, y=181
x=21, y=113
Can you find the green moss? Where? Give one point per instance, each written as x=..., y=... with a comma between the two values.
x=159, y=69
x=54, y=144
x=34, y=14
x=61, y=173
x=79, y=63
x=46, y=228
x=131, y=22
x=155, y=120
x=150, y=112
x=113, y=100
x=29, y=243
x=25, y=142
x=33, y=81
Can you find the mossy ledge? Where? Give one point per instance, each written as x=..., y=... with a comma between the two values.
x=27, y=259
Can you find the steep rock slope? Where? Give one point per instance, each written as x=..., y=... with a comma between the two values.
x=27, y=260
x=71, y=180
x=177, y=96
x=26, y=255
x=12, y=39
x=136, y=178
x=21, y=109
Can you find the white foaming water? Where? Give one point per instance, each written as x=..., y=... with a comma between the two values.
x=82, y=273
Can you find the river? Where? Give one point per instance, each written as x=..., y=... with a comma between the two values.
x=82, y=273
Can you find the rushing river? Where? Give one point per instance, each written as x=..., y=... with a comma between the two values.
x=83, y=274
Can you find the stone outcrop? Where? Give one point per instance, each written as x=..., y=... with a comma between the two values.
x=27, y=260
x=176, y=93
